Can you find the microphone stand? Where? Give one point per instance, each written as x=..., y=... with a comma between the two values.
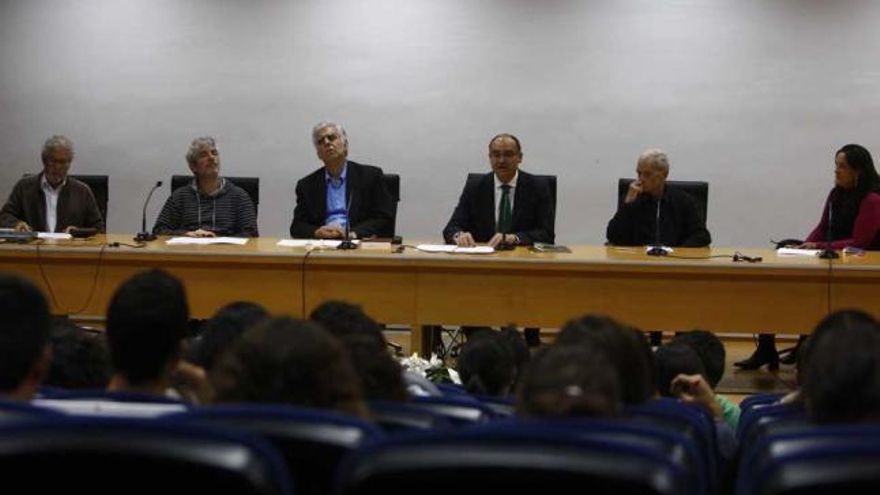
x=347, y=243
x=143, y=235
x=657, y=248
x=828, y=253
x=504, y=245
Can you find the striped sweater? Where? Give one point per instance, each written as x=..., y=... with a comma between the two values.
x=229, y=212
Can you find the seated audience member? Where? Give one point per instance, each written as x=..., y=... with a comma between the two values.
x=841, y=379
x=694, y=389
x=671, y=360
x=340, y=193
x=650, y=200
x=567, y=381
x=486, y=364
x=51, y=201
x=146, y=324
x=218, y=333
x=712, y=354
x=287, y=361
x=520, y=349
x=853, y=206
x=25, y=352
x=625, y=348
x=80, y=358
x=210, y=205
x=382, y=377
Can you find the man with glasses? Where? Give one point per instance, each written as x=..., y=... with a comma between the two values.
x=51, y=201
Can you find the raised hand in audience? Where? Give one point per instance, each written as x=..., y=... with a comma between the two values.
x=695, y=389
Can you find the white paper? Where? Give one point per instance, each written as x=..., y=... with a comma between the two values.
x=54, y=235
x=312, y=243
x=797, y=252
x=182, y=241
x=451, y=248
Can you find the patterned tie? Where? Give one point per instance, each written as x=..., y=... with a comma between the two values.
x=505, y=216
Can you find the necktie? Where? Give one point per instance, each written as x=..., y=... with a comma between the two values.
x=505, y=215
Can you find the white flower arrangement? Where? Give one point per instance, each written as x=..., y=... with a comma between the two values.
x=433, y=369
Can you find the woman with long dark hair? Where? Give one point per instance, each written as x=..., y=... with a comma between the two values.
x=853, y=210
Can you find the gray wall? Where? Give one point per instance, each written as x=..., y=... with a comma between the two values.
x=753, y=96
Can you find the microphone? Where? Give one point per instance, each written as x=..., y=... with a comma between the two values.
x=657, y=248
x=504, y=245
x=347, y=243
x=143, y=235
x=828, y=253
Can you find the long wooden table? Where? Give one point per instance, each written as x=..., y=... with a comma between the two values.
x=780, y=294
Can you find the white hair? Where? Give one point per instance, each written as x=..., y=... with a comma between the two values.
x=320, y=126
x=656, y=158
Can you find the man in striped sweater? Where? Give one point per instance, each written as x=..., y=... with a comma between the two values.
x=210, y=205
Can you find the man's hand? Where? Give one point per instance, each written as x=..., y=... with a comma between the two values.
x=464, y=239
x=22, y=227
x=330, y=232
x=509, y=238
x=192, y=381
x=69, y=228
x=200, y=233
x=808, y=245
x=635, y=188
x=695, y=389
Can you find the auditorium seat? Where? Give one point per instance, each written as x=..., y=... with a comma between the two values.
x=312, y=441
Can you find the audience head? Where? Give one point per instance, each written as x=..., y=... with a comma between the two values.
x=24, y=338
x=486, y=364
x=626, y=349
x=569, y=380
x=520, y=348
x=80, y=359
x=710, y=350
x=380, y=374
x=672, y=360
x=222, y=329
x=841, y=379
x=289, y=361
x=146, y=323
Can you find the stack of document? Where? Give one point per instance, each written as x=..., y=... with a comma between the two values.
x=450, y=248
x=797, y=252
x=312, y=243
x=182, y=241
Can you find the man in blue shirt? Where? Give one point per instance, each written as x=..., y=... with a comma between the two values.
x=341, y=192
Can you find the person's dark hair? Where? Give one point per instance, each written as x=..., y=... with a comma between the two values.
x=80, y=359
x=520, y=348
x=486, y=364
x=289, y=361
x=222, y=329
x=24, y=331
x=671, y=360
x=841, y=381
x=626, y=349
x=710, y=349
x=146, y=322
x=380, y=374
x=569, y=380
x=846, y=203
x=342, y=319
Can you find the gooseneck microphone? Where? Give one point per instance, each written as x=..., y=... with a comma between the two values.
x=828, y=253
x=347, y=243
x=143, y=235
x=657, y=248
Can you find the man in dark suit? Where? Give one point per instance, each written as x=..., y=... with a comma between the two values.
x=341, y=192
x=506, y=205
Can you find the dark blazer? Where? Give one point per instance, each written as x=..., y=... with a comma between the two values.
x=27, y=202
x=533, y=210
x=371, y=204
x=681, y=222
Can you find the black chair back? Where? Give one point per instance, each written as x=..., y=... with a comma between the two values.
x=698, y=190
x=251, y=185
x=392, y=183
